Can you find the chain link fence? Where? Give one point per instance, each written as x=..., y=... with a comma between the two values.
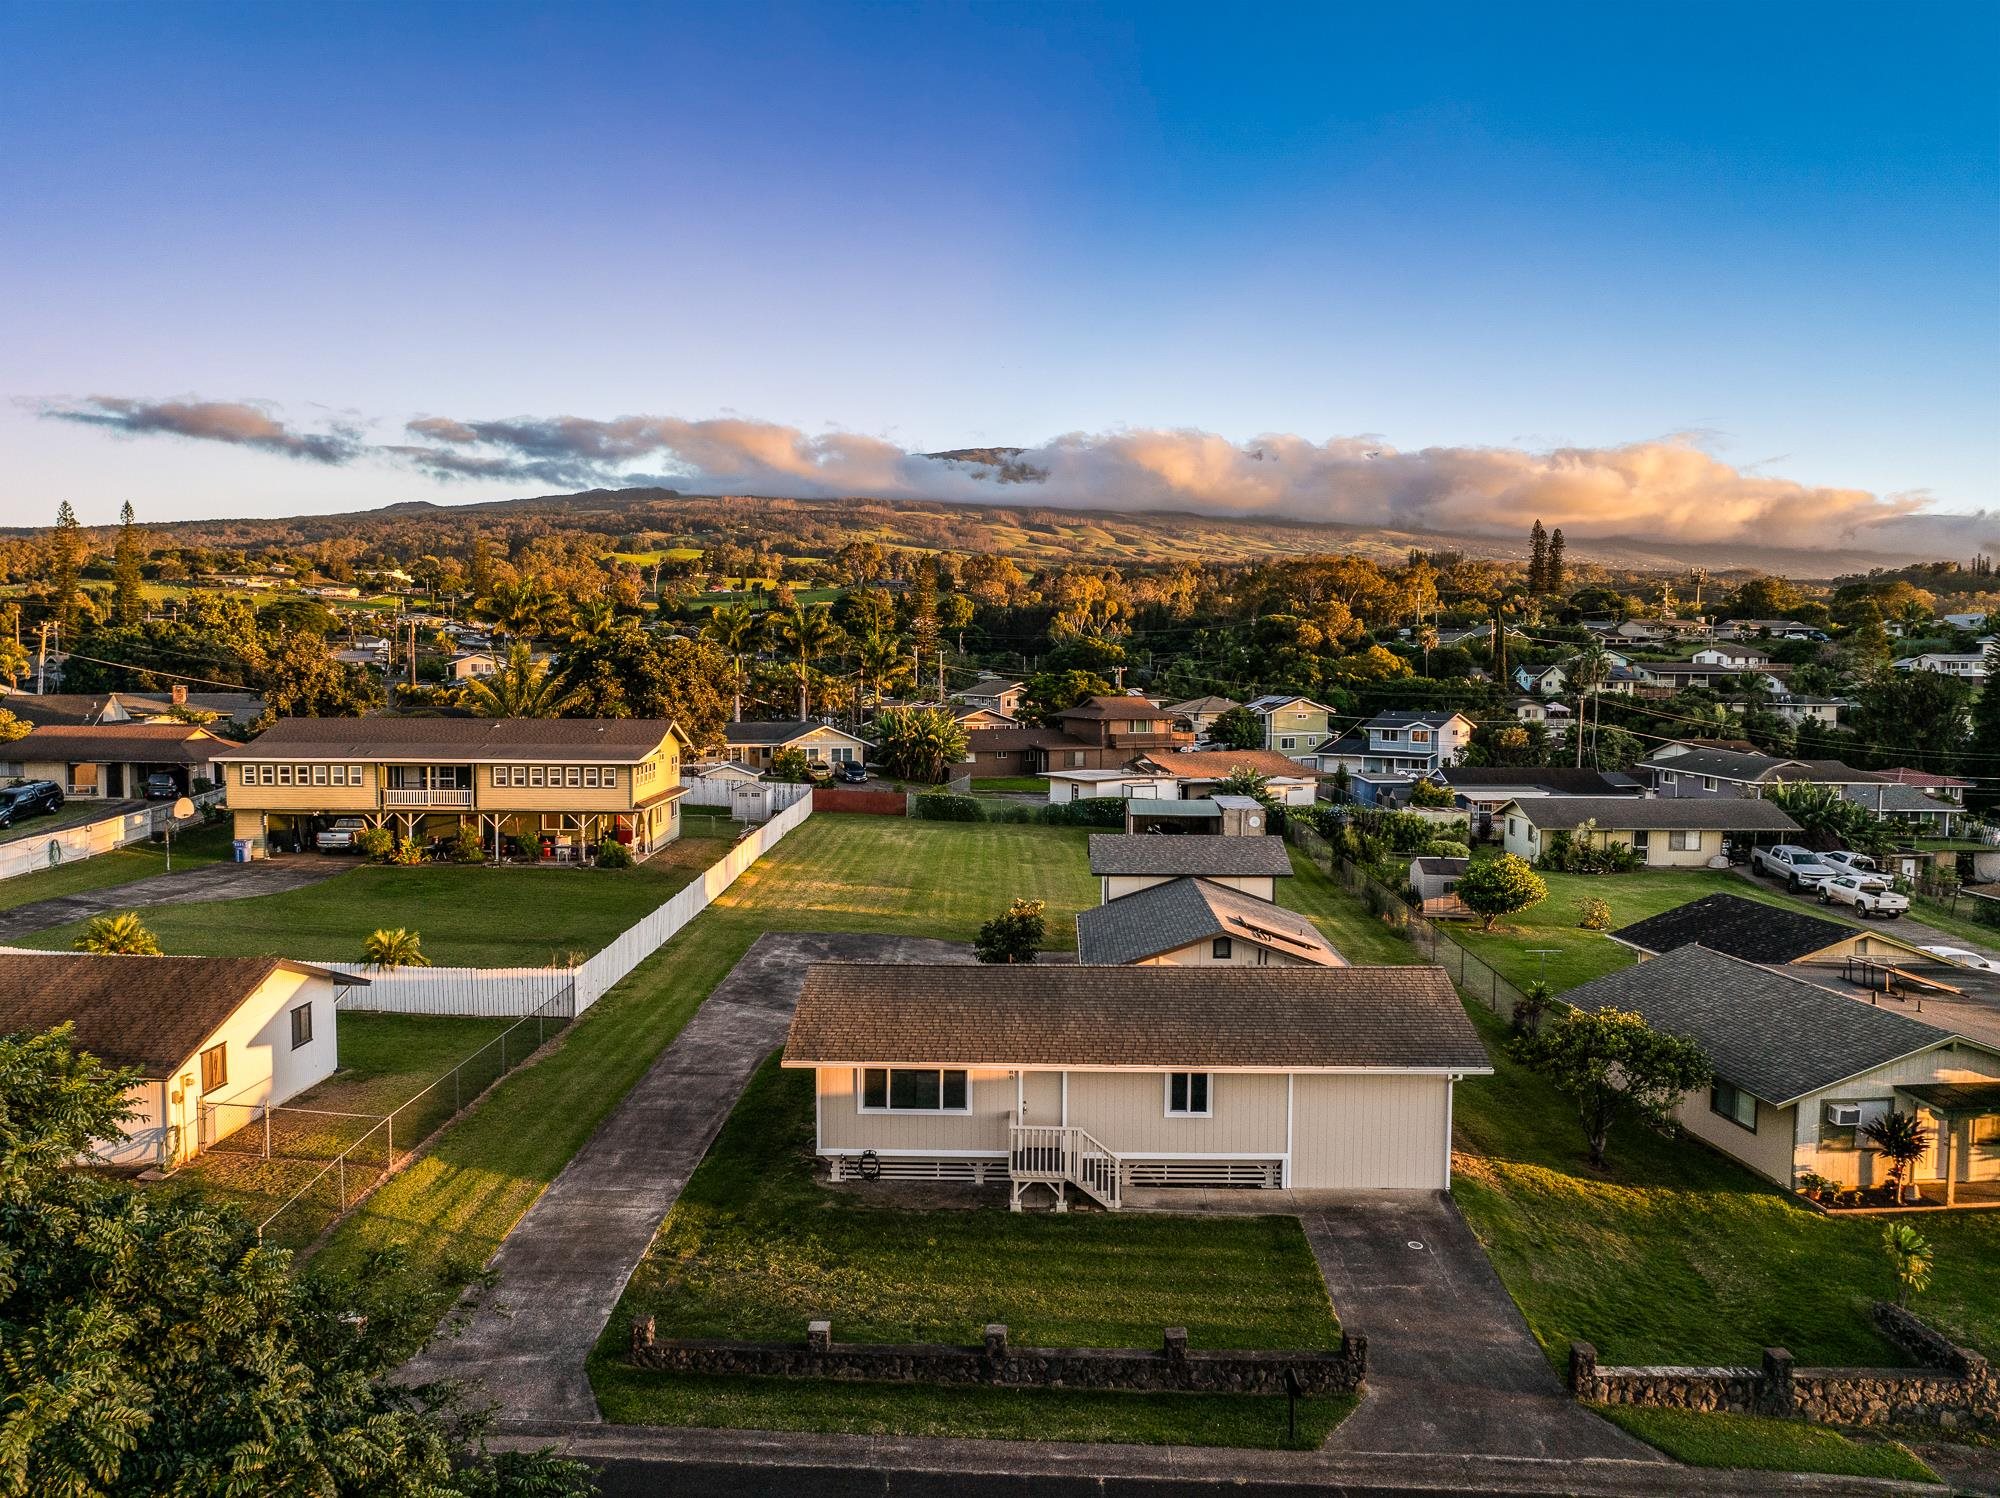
x=1476, y=978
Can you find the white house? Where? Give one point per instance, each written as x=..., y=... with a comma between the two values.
x=1097, y=1080
x=1400, y=743
x=468, y=664
x=1081, y=785
x=1289, y=781
x=1966, y=621
x=758, y=743
x=1964, y=667
x=213, y=1038
x=1801, y=1069
x=1735, y=657
x=1548, y=681
x=1126, y=863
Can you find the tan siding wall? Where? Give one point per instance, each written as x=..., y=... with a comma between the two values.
x=302, y=798
x=1385, y=1133
x=844, y=1126
x=1127, y=1112
x=571, y=798
x=1832, y=1153
x=1115, y=885
x=1042, y=1097
x=1768, y=1151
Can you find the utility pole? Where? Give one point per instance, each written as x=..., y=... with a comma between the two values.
x=413, y=653
x=42, y=662
x=941, y=675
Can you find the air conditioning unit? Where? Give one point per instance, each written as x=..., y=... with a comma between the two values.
x=1843, y=1115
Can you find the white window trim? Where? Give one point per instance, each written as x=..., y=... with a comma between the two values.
x=1167, y=1095
x=860, y=1081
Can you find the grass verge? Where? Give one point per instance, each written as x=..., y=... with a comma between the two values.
x=1757, y=1444
x=192, y=850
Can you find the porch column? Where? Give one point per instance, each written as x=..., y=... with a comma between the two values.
x=1947, y=1128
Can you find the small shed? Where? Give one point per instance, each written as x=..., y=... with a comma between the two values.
x=1164, y=814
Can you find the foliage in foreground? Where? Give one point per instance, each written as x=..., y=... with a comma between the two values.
x=1612, y=1065
x=152, y=1346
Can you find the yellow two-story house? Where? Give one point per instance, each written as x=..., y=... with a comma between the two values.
x=549, y=788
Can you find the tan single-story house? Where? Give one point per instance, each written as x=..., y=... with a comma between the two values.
x=1064, y=1079
x=559, y=786
x=1198, y=923
x=1667, y=832
x=1768, y=934
x=469, y=665
x=970, y=718
x=757, y=743
x=1800, y=1069
x=114, y=760
x=1125, y=863
x=213, y=1038
x=54, y=709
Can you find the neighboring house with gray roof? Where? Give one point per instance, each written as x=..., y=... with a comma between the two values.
x=1800, y=1069
x=1197, y=923
x=1125, y=863
x=1699, y=770
x=757, y=743
x=1665, y=832
x=1098, y=1079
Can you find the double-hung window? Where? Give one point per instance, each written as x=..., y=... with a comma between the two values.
x=1187, y=1094
x=913, y=1089
x=1684, y=840
x=214, y=1068
x=302, y=1026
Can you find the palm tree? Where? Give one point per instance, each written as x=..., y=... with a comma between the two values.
x=734, y=627
x=1909, y=1259
x=525, y=607
x=522, y=688
x=882, y=660
x=1588, y=673
x=1900, y=1138
x=389, y=950
x=808, y=633
x=591, y=618
x=919, y=743
x=118, y=936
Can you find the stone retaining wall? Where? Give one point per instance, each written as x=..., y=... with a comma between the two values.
x=1173, y=1368
x=1955, y=1390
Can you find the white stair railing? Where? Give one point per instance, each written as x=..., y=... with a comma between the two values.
x=1060, y=1155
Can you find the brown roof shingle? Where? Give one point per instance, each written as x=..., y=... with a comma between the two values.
x=1277, y=1019
x=1219, y=764
x=107, y=743
x=148, y=1012
x=614, y=740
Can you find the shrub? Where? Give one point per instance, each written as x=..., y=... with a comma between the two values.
x=408, y=851
x=612, y=854
x=521, y=847
x=1431, y=795
x=1593, y=914
x=464, y=846
x=1013, y=935
x=1444, y=847
x=1494, y=887
x=1529, y=1008
x=390, y=950
x=118, y=935
x=943, y=806
x=1576, y=853
x=1092, y=811
x=375, y=842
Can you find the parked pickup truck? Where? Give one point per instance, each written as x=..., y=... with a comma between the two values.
x=339, y=838
x=1868, y=895
x=1800, y=868
x=1853, y=863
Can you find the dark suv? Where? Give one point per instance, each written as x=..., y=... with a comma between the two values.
x=19, y=802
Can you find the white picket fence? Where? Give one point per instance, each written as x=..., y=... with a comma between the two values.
x=32, y=853
x=517, y=991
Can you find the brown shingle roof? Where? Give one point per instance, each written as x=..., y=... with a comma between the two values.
x=1218, y=764
x=614, y=740
x=148, y=1012
x=1115, y=709
x=140, y=743
x=1277, y=1019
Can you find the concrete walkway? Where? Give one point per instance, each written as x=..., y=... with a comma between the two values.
x=567, y=1261
x=215, y=881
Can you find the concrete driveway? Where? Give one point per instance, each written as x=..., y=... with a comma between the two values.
x=215, y=881
x=567, y=1261
x=1452, y=1368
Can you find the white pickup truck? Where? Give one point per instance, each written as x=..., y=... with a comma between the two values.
x=1868, y=894
x=1800, y=868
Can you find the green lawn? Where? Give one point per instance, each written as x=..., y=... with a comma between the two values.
x=1577, y=956
x=1030, y=784
x=1674, y=1254
x=1341, y=918
x=467, y=915
x=1755, y=1443
x=192, y=849
x=454, y=1205
x=756, y=1247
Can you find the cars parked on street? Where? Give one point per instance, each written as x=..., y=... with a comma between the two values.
x=1866, y=894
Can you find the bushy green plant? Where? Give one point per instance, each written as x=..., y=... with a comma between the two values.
x=1091, y=811
x=1593, y=914
x=408, y=852
x=521, y=847
x=1578, y=853
x=612, y=854
x=1909, y=1253
x=1013, y=935
x=464, y=846
x=943, y=806
x=1432, y=796
x=377, y=843
x=1444, y=847
x=1493, y=887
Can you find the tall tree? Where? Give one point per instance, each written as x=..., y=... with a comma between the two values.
x=630, y=672
x=479, y=571
x=734, y=627
x=1611, y=1066
x=1552, y=577
x=924, y=614
x=65, y=567
x=1538, y=559
x=130, y=605
x=301, y=679
x=807, y=634
x=522, y=688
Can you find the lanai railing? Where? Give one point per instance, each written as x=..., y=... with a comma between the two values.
x=1061, y=1156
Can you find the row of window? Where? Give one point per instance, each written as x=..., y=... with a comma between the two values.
x=349, y=775
x=924, y=1089
x=1672, y=777
x=590, y=777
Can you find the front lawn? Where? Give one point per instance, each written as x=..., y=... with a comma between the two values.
x=1759, y=1444
x=470, y=916
x=1674, y=1254
x=1032, y=785
x=192, y=849
x=454, y=1205
x=1342, y=919
x=756, y=1247
x=1578, y=956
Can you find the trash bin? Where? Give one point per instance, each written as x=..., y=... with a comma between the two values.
x=242, y=847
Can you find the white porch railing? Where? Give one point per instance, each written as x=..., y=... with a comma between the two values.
x=427, y=798
x=1060, y=1156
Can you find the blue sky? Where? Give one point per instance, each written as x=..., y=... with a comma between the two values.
x=1776, y=227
